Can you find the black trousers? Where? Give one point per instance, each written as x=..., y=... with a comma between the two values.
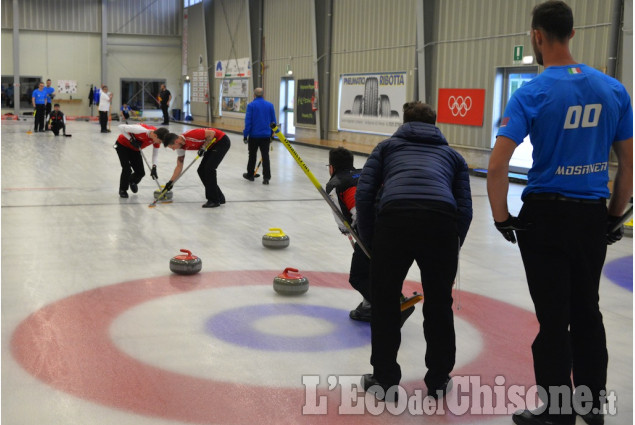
x=563, y=254
x=56, y=127
x=40, y=115
x=263, y=144
x=207, y=170
x=166, y=115
x=431, y=239
x=103, y=120
x=131, y=166
x=359, y=276
x=48, y=112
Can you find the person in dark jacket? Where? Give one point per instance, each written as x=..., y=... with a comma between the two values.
x=413, y=203
x=257, y=134
x=57, y=121
x=341, y=189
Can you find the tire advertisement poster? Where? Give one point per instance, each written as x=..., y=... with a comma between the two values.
x=304, y=107
x=372, y=103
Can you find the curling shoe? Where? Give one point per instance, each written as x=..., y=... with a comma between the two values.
x=361, y=313
x=380, y=391
x=442, y=390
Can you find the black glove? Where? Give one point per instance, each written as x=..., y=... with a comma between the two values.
x=510, y=225
x=613, y=235
x=245, y=140
x=153, y=173
x=201, y=152
x=168, y=186
x=134, y=142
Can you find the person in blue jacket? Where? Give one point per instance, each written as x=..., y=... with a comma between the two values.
x=39, y=100
x=50, y=94
x=414, y=203
x=257, y=134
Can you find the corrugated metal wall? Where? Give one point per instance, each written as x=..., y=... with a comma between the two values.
x=148, y=17
x=197, y=48
x=6, y=10
x=231, y=40
x=371, y=36
x=473, y=38
x=288, y=41
x=59, y=15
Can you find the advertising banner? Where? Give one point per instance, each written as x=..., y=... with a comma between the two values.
x=232, y=68
x=235, y=95
x=461, y=106
x=304, y=99
x=372, y=103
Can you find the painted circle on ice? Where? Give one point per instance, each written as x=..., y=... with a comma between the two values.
x=243, y=332
x=620, y=271
x=68, y=345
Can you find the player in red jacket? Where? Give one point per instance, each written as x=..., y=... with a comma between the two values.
x=197, y=140
x=132, y=139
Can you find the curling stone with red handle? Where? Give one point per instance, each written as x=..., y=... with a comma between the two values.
x=186, y=264
x=290, y=282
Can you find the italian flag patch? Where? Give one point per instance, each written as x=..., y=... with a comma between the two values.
x=575, y=71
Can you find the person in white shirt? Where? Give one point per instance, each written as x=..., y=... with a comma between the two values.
x=105, y=97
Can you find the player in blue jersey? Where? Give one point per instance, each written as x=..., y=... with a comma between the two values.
x=38, y=99
x=574, y=115
x=50, y=94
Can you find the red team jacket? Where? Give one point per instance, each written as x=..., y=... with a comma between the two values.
x=195, y=139
x=142, y=137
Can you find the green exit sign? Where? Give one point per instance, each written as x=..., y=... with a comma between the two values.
x=518, y=53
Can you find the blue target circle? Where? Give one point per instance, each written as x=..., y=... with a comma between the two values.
x=620, y=271
x=236, y=326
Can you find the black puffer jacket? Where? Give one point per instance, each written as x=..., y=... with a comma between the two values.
x=417, y=164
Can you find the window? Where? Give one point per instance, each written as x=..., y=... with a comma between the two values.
x=141, y=95
x=27, y=85
x=188, y=3
x=507, y=80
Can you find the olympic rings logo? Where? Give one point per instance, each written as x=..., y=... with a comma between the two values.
x=459, y=105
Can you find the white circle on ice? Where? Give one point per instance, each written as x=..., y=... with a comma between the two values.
x=169, y=333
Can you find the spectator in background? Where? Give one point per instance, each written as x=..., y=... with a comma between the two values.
x=125, y=112
x=165, y=97
x=9, y=94
x=105, y=97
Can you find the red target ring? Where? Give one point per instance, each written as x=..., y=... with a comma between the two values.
x=68, y=346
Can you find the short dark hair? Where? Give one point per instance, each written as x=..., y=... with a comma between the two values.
x=57, y=104
x=555, y=18
x=169, y=139
x=341, y=159
x=418, y=111
x=161, y=132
